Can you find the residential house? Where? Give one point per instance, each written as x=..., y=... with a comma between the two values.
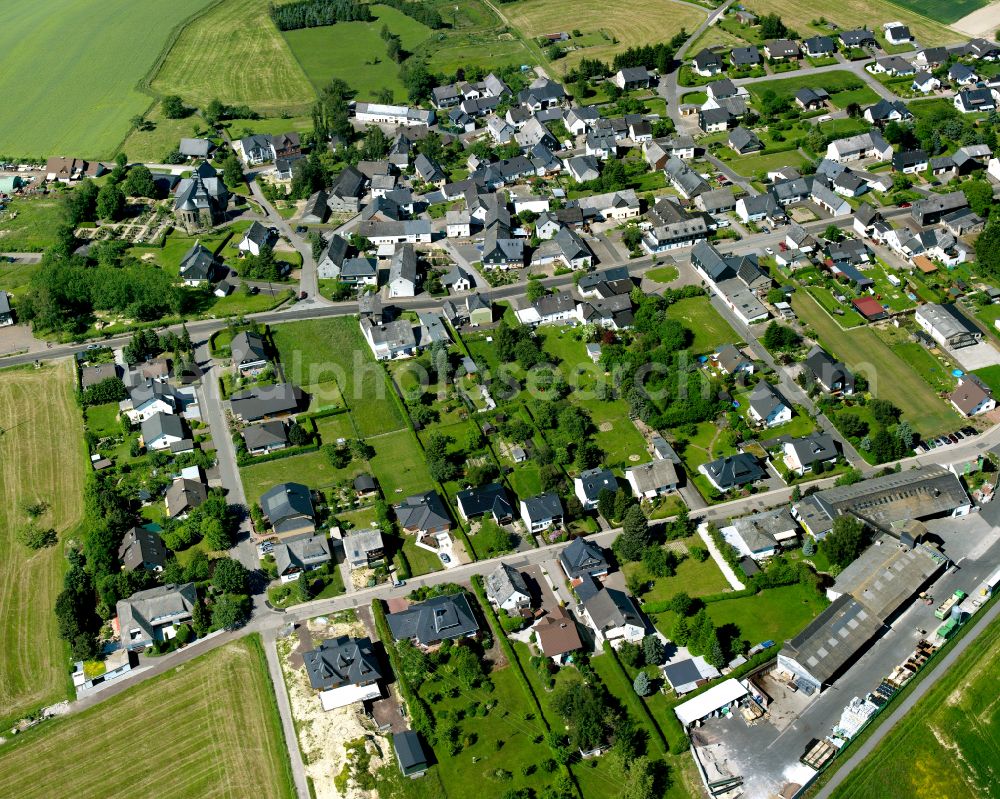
x=254, y=149
x=332, y=260
x=364, y=548
x=762, y=535
x=833, y=376
x=490, y=499
x=583, y=168
x=423, y=515
x=265, y=437
x=781, y=49
x=809, y=99
x=731, y=360
x=195, y=149
x=614, y=616
x=925, y=83
x=931, y=57
x=142, y=548
x=962, y=75
x=389, y=340
x=507, y=590
x=975, y=101
x=885, y=111
x=288, y=509
x=249, y=355
x=743, y=141
x=733, y=471
x=255, y=239
x=910, y=161
x=706, y=63
x=590, y=483
x=802, y=454
x=550, y=309
x=153, y=615
x=860, y=37
x=301, y=554
x=183, y=496
x=759, y=207
x=403, y=272
x=162, y=431
x=897, y=33
x=767, y=405
x=583, y=558
x=542, y=512
x=92, y=375
x=971, y=397
x=199, y=266
x=347, y=191
x=398, y=115
x=672, y=226
x=654, y=479
x=147, y=399
x=682, y=177
x=819, y=46
x=441, y=618
x=870, y=145
x=316, y=209
x=715, y=120
x=716, y=201
x=557, y=635
x=6, y=312
x=893, y=65
x=630, y=78
x=744, y=57
x=930, y=210
x=343, y=663
x=266, y=402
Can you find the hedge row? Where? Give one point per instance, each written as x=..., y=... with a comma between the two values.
x=664, y=605
x=421, y=719
x=635, y=702
x=288, y=452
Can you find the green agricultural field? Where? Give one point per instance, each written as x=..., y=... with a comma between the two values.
x=891, y=378
x=235, y=53
x=355, y=52
x=71, y=67
x=29, y=224
x=209, y=729
x=633, y=23
x=321, y=350
x=948, y=743
x=945, y=11
x=709, y=328
x=42, y=458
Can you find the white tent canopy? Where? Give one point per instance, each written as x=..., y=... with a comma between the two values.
x=704, y=704
x=348, y=695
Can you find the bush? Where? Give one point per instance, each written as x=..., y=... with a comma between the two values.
x=35, y=537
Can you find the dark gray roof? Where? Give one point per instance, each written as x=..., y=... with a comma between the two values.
x=183, y=495
x=766, y=399
x=490, y=498
x=404, y=264
x=302, y=553
x=409, y=752
x=198, y=264
x=265, y=434
x=195, y=148
x=543, y=506
x=139, y=547
x=813, y=448
x=760, y=531
x=349, y=183
x=162, y=424
x=247, y=347
x=610, y=608
x=596, y=480
x=437, y=619
x=342, y=661
x=89, y=375
x=286, y=504
x=258, y=234
x=745, y=56
x=682, y=673
x=735, y=470
x=583, y=557
x=826, y=369
x=741, y=139
x=256, y=403
x=142, y=613
x=423, y=512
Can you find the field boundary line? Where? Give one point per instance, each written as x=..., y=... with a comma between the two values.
x=145, y=83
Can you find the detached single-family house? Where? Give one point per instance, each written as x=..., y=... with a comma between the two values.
x=266, y=402
x=183, y=496
x=343, y=663
x=265, y=437
x=403, y=272
x=507, y=590
x=288, y=509
x=423, y=514
x=389, y=340
x=301, y=555
x=614, y=616
x=254, y=149
x=199, y=266
x=971, y=398
x=730, y=360
x=557, y=635
x=364, y=548
x=249, y=354
x=975, y=101
x=802, y=454
x=630, y=78
x=542, y=512
x=781, y=49
x=490, y=499
x=706, y=63
x=255, y=239
x=733, y=471
x=654, y=479
x=819, y=46
x=925, y=83
x=154, y=615
x=763, y=534
x=142, y=548
x=583, y=558
x=744, y=141
x=162, y=431
x=767, y=405
x=427, y=624
x=589, y=485
x=833, y=376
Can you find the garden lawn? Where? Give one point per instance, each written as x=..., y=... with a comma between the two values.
x=71, y=70
x=399, y=465
x=888, y=375
x=710, y=330
x=319, y=350
x=421, y=560
x=622, y=444
x=948, y=745
x=331, y=428
x=748, y=165
x=356, y=52
x=42, y=458
x=154, y=145
x=663, y=274
x=102, y=420
x=310, y=468
x=32, y=230
x=692, y=578
x=236, y=54
x=990, y=375
x=209, y=728
x=772, y=615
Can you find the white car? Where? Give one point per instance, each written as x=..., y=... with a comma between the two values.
x=769, y=251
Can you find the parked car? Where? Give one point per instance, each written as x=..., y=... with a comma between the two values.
x=300, y=229
x=444, y=557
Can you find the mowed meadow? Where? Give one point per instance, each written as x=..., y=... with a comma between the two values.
x=234, y=52
x=70, y=70
x=42, y=458
x=208, y=729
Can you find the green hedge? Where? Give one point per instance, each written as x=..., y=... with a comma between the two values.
x=635, y=702
x=288, y=452
x=421, y=718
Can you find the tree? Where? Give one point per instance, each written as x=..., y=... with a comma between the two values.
x=885, y=412
x=35, y=537
x=230, y=611
x=681, y=633
x=641, y=684
x=302, y=591
x=699, y=554
x=635, y=536
x=779, y=338
x=232, y=170
x=466, y=667
x=832, y=233
x=110, y=202
x=375, y=145
x=297, y=435
x=230, y=576
x=845, y=541
x=772, y=27
x=139, y=182
x=535, y=290
x=988, y=248
x=652, y=650
x=606, y=503
x=979, y=193
x=851, y=425
x=809, y=546
x=681, y=604
x=173, y=107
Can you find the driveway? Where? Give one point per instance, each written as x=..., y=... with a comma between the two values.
x=978, y=356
